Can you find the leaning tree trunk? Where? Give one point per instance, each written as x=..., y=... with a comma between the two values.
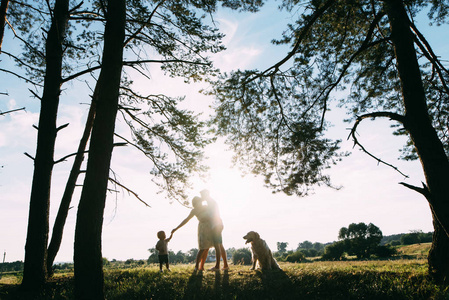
x=34, y=273
x=89, y=278
x=430, y=150
x=61, y=217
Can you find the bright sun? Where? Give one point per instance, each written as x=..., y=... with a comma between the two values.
x=231, y=191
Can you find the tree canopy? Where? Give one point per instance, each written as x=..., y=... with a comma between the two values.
x=360, y=239
x=275, y=119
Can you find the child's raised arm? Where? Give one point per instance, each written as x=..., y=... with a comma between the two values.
x=169, y=238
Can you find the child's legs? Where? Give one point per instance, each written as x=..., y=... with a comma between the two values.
x=161, y=262
x=163, y=259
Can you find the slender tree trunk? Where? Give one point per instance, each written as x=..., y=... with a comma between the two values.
x=89, y=279
x=61, y=217
x=3, y=10
x=430, y=150
x=34, y=274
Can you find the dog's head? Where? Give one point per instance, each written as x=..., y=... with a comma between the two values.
x=251, y=237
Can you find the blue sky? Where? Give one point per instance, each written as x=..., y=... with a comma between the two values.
x=370, y=192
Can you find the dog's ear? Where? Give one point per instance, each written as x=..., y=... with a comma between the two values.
x=256, y=235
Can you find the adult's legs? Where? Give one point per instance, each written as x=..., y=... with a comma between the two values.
x=198, y=259
x=204, y=258
x=217, y=256
x=225, y=258
x=201, y=259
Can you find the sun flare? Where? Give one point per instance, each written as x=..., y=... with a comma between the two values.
x=231, y=191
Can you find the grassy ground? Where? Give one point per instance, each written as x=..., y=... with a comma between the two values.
x=399, y=279
x=415, y=250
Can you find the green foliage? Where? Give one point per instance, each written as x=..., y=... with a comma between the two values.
x=416, y=237
x=11, y=266
x=311, y=249
x=241, y=256
x=295, y=257
x=307, y=245
x=282, y=247
x=153, y=258
x=334, y=251
x=385, y=251
x=360, y=239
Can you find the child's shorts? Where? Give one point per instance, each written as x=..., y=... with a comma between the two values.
x=163, y=259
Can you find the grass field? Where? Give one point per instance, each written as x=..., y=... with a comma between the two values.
x=415, y=250
x=397, y=279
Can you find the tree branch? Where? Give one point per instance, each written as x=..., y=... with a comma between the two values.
x=424, y=190
x=35, y=94
x=128, y=190
x=26, y=154
x=390, y=115
x=86, y=151
x=21, y=77
x=21, y=61
x=10, y=111
x=62, y=127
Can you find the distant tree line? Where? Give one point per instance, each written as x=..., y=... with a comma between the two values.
x=414, y=237
x=360, y=240
x=11, y=266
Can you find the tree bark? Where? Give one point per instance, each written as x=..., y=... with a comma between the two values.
x=34, y=274
x=61, y=217
x=430, y=150
x=3, y=10
x=89, y=278
x=438, y=258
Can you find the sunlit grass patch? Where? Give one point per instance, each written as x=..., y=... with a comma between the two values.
x=10, y=279
x=419, y=251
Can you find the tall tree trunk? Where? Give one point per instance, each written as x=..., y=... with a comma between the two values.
x=89, y=279
x=61, y=217
x=37, y=236
x=430, y=150
x=3, y=10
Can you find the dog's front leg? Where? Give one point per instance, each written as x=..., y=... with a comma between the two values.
x=254, y=265
x=254, y=262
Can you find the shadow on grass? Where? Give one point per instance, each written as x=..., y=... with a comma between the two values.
x=274, y=283
x=221, y=284
x=194, y=286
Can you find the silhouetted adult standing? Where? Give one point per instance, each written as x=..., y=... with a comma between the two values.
x=217, y=226
x=205, y=236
